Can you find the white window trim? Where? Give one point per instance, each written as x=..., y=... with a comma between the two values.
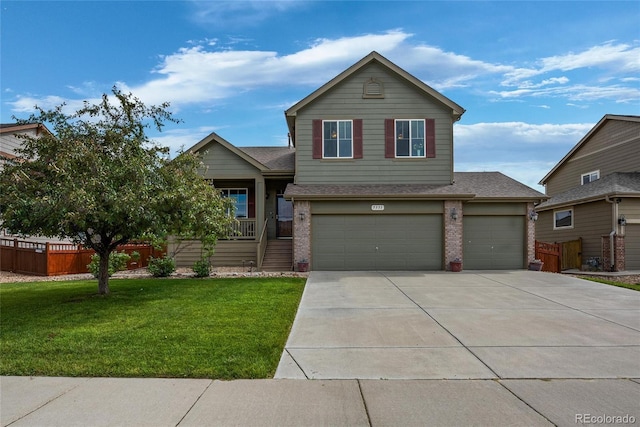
x=338, y=156
x=395, y=139
x=596, y=172
x=567, y=227
x=246, y=191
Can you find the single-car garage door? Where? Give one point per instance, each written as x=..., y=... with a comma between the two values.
x=376, y=242
x=632, y=247
x=493, y=242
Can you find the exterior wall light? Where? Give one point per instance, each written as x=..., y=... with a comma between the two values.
x=301, y=216
x=622, y=220
x=454, y=214
x=533, y=216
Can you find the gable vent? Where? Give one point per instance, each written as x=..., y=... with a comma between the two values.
x=373, y=88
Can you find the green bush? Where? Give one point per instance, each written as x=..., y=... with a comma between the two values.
x=162, y=267
x=202, y=268
x=117, y=262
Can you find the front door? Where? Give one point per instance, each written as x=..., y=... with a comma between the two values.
x=284, y=217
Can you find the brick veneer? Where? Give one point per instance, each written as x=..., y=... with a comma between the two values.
x=301, y=232
x=531, y=234
x=452, y=232
x=618, y=245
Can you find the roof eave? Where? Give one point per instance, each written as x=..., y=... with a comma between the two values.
x=214, y=137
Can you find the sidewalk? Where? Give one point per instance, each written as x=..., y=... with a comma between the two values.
x=98, y=402
x=396, y=349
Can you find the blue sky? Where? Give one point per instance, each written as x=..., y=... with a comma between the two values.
x=534, y=77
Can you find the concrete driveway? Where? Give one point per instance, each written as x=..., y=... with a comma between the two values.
x=469, y=325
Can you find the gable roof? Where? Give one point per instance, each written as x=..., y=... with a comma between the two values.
x=290, y=114
x=266, y=159
x=617, y=184
x=467, y=185
x=585, y=139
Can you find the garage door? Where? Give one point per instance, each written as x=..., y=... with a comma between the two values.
x=377, y=242
x=493, y=242
x=632, y=247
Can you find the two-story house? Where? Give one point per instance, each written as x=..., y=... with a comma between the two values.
x=595, y=195
x=369, y=183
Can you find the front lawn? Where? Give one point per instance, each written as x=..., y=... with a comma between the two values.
x=195, y=328
x=634, y=286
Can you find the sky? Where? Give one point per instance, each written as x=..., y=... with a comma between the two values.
x=533, y=77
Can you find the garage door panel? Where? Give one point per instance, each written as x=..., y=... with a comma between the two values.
x=493, y=242
x=377, y=242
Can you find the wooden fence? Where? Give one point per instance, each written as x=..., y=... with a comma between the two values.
x=53, y=259
x=550, y=255
x=559, y=256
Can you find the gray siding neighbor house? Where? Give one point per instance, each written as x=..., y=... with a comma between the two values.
x=368, y=183
x=595, y=195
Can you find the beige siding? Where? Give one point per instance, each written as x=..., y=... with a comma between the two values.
x=9, y=142
x=591, y=221
x=401, y=101
x=222, y=163
x=614, y=148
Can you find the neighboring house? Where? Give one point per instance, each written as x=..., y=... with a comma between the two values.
x=9, y=141
x=595, y=195
x=371, y=183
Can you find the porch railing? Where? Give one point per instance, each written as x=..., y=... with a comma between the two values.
x=243, y=229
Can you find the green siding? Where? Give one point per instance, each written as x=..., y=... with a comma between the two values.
x=365, y=207
x=377, y=242
x=493, y=242
x=401, y=101
x=221, y=163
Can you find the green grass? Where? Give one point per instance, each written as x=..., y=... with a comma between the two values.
x=635, y=287
x=194, y=328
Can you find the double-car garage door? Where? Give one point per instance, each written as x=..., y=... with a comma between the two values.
x=377, y=242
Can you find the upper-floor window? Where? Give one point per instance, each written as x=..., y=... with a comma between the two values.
x=563, y=219
x=589, y=177
x=410, y=138
x=240, y=200
x=337, y=139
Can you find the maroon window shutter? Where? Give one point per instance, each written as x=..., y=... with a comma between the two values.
x=430, y=137
x=389, y=138
x=357, y=138
x=317, y=139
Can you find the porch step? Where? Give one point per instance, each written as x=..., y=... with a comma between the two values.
x=278, y=256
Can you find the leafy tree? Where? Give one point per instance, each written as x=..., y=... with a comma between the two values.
x=100, y=181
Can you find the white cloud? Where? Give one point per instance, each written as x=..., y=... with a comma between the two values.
x=523, y=151
x=205, y=73
x=239, y=13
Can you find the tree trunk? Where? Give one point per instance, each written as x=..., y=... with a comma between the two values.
x=103, y=274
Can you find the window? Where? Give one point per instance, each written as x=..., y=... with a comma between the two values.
x=563, y=219
x=589, y=177
x=410, y=138
x=337, y=139
x=240, y=200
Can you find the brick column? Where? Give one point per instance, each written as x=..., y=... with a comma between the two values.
x=619, y=253
x=452, y=232
x=301, y=232
x=531, y=235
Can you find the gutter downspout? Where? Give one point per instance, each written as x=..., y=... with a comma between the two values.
x=614, y=220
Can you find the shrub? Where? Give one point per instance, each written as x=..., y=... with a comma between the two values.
x=117, y=262
x=202, y=268
x=162, y=267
